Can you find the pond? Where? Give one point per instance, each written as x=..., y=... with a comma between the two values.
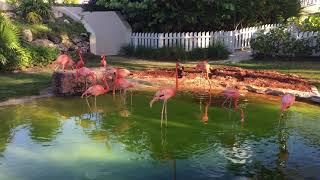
x=60, y=138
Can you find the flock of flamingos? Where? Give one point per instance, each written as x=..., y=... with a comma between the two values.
x=119, y=82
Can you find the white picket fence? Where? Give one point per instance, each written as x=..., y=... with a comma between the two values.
x=306, y=3
x=233, y=40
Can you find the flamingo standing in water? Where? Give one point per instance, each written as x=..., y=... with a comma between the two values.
x=120, y=74
x=164, y=95
x=103, y=62
x=63, y=61
x=287, y=101
x=96, y=90
x=86, y=73
x=204, y=67
x=80, y=63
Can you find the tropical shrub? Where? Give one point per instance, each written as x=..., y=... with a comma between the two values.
x=41, y=56
x=217, y=51
x=281, y=43
x=34, y=18
x=12, y=54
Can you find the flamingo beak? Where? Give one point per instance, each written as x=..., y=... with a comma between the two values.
x=151, y=103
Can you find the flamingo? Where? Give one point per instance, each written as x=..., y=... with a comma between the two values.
x=287, y=101
x=204, y=67
x=103, y=62
x=85, y=72
x=80, y=63
x=120, y=73
x=96, y=90
x=164, y=95
x=63, y=61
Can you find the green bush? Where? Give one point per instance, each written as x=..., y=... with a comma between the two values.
x=309, y=23
x=280, y=43
x=39, y=7
x=217, y=51
x=40, y=55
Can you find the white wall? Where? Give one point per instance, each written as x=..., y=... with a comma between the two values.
x=108, y=30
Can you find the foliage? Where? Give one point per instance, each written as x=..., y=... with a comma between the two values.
x=41, y=56
x=216, y=51
x=279, y=42
x=34, y=18
x=11, y=51
x=39, y=7
x=309, y=23
x=201, y=15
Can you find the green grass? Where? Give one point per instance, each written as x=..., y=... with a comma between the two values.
x=23, y=84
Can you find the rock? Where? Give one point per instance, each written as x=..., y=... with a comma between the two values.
x=57, y=14
x=255, y=89
x=54, y=38
x=43, y=42
x=62, y=47
x=76, y=40
x=27, y=35
x=66, y=21
x=315, y=99
x=274, y=92
x=84, y=35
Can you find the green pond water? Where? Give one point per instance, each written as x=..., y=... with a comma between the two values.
x=60, y=138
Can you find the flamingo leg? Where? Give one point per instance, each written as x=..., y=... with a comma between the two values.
x=56, y=67
x=95, y=102
x=225, y=101
x=131, y=98
x=166, y=112
x=162, y=112
x=88, y=103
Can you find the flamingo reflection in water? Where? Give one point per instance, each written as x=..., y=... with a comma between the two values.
x=166, y=156
x=233, y=95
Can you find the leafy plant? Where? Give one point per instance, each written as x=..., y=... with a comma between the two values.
x=11, y=52
x=281, y=43
x=41, y=56
x=34, y=18
x=40, y=7
x=309, y=23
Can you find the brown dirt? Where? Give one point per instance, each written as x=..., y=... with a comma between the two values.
x=234, y=76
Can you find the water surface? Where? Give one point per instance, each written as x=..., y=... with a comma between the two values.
x=60, y=138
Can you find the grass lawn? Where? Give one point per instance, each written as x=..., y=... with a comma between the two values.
x=25, y=83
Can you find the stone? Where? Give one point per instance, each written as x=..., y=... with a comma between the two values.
x=76, y=40
x=27, y=35
x=66, y=21
x=62, y=47
x=43, y=42
x=54, y=39
x=57, y=14
x=315, y=99
x=84, y=35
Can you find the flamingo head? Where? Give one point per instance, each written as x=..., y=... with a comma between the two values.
x=152, y=101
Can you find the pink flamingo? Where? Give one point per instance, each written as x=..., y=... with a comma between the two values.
x=63, y=61
x=204, y=67
x=80, y=63
x=85, y=72
x=287, y=101
x=96, y=90
x=164, y=95
x=103, y=62
x=123, y=84
x=120, y=73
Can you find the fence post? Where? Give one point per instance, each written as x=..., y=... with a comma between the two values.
x=231, y=40
x=160, y=40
